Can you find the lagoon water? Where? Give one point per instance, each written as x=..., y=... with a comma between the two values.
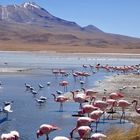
x=27, y=115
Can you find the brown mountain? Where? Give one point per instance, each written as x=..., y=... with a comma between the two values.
x=30, y=27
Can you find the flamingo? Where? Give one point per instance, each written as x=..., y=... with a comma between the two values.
x=46, y=129
x=64, y=84
x=136, y=104
x=80, y=98
x=84, y=132
x=123, y=104
x=112, y=103
x=87, y=109
x=96, y=116
x=74, y=75
x=100, y=104
x=82, y=121
x=61, y=138
x=90, y=92
x=98, y=136
x=62, y=72
x=61, y=99
x=55, y=72
x=116, y=95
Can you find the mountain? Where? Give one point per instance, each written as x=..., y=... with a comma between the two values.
x=29, y=24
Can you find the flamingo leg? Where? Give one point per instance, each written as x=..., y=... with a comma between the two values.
x=61, y=107
x=7, y=114
x=111, y=113
x=104, y=117
x=74, y=78
x=47, y=137
x=96, y=126
x=122, y=116
x=80, y=106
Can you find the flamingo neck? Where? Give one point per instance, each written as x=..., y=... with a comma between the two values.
x=136, y=103
x=93, y=100
x=71, y=133
x=54, y=97
x=84, y=90
x=73, y=95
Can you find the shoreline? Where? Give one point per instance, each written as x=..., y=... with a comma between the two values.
x=52, y=53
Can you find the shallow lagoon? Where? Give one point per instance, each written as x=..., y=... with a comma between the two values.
x=27, y=115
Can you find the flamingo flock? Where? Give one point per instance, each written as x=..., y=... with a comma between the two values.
x=91, y=106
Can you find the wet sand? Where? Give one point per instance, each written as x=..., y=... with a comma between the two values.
x=131, y=92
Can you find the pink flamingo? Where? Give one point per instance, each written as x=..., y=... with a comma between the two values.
x=111, y=103
x=82, y=121
x=87, y=109
x=136, y=106
x=64, y=84
x=84, y=132
x=55, y=72
x=102, y=105
x=98, y=136
x=85, y=74
x=96, y=116
x=123, y=104
x=80, y=98
x=116, y=95
x=99, y=103
x=61, y=99
x=91, y=93
x=75, y=75
x=45, y=129
x=62, y=72
x=61, y=138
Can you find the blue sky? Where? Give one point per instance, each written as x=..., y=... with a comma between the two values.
x=113, y=16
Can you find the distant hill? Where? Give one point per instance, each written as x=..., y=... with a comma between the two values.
x=29, y=24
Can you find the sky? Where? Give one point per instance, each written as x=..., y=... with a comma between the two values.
x=112, y=16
